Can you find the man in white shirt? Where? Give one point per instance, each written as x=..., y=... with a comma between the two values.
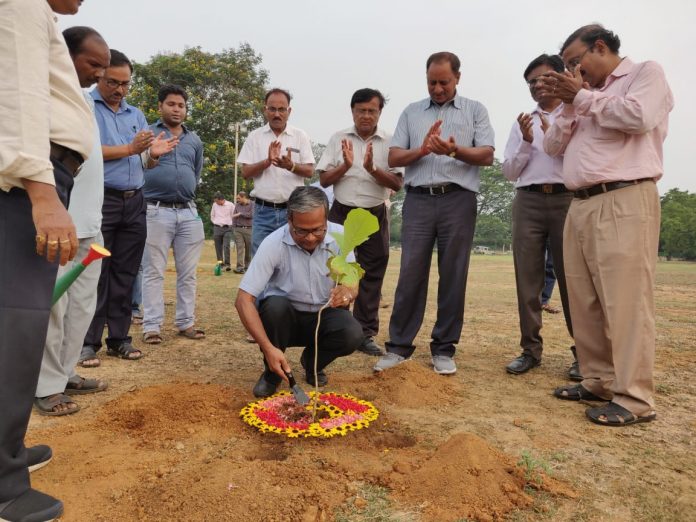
x=278, y=157
x=47, y=133
x=355, y=163
x=538, y=214
x=221, y=213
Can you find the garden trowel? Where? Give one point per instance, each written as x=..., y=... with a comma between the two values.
x=300, y=396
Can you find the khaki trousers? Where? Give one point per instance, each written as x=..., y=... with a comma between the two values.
x=610, y=246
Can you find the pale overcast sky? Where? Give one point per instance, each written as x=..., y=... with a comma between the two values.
x=323, y=50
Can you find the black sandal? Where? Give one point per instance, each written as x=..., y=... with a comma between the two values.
x=124, y=351
x=575, y=392
x=616, y=415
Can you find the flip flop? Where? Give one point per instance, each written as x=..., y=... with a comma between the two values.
x=192, y=333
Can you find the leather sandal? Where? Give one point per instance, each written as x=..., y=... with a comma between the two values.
x=46, y=405
x=152, y=338
x=84, y=386
x=575, y=392
x=615, y=415
x=192, y=333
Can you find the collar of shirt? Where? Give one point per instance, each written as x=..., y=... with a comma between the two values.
x=160, y=124
x=379, y=132
x=456, y=102
x=287, y=130
x=97, y=97
x=624, y=67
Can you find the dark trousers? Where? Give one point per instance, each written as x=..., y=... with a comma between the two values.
x=373, y=257
x=242, y=244
x=26, y=287
x=124, y=229
x=221, y=239
x=549, y=276
x=536, y=218
x=339, y=333
x=447, y=220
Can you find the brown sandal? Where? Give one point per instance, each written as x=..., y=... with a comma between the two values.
x=192, y=333
x=47, y=405
x=85, y=386
x=152, y=338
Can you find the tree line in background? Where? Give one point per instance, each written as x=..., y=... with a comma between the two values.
x=228, y=88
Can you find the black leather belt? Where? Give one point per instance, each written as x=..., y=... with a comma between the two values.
x=601, y=188
x=125, y=194
x=546, y=188
x=242, y=226
x=70, y=159
x=434, y=190
x=265, y=203
x=169, y=204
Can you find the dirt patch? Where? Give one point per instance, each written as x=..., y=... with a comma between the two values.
x=180, y=451
x=408, y=385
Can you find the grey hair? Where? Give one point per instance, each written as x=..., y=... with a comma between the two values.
x=306, y=199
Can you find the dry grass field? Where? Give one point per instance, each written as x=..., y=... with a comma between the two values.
x=165, y=441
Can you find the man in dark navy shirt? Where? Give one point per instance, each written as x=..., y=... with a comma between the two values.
x=172, y=219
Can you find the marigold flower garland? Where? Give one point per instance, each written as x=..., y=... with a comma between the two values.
x=338, y=414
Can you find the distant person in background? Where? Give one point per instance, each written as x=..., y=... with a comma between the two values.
x=71, y=315
x=538, y=211
x=221, y=217
x=137, y=298
x=172, y=219
x=278, y=157
x=241, y=225
x=549, y=283
x=355, y=163
x=610, y=131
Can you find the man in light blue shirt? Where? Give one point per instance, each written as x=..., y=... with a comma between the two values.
x=441, y=141
x=124, y=136
x=285, y=287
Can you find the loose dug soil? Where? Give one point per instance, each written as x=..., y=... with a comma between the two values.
x=180, y=452
x=165, y=441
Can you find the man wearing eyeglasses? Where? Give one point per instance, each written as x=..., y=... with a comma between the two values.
x=124, y=136
x=278, y=157
x=355, y=163
x=441, y=140
x=286, y=285
x=538, y=213
x=610, y=131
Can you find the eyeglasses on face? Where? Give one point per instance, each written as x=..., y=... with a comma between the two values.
x=572, y=64
x=304, y=232
x=366, y=112
x=279, y=110
x=115, y=83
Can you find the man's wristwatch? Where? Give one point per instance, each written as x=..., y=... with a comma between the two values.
x=453, y=153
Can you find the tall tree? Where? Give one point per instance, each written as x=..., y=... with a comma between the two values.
x=224, y=88
x=494, y=223
x=678, y=225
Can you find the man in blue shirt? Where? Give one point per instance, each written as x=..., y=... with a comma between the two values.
x=124, y=136
x=172, y=219
x=287, y=276
x=441, y=140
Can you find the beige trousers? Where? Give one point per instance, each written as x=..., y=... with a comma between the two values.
x=610, y=244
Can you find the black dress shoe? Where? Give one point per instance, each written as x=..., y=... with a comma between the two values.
x=522, y=364
x=574, y=370
x=38, y=456
x=309, y=375
x=369, y=347
x=32, y=506
x=264, y=387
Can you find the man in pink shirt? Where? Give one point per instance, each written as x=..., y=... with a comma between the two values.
x=611, y=130
x=221, y=216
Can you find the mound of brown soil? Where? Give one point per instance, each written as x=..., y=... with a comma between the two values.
x=408, y=385
x=464, y=478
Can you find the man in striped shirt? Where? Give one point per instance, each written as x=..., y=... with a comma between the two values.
x=441, y=140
